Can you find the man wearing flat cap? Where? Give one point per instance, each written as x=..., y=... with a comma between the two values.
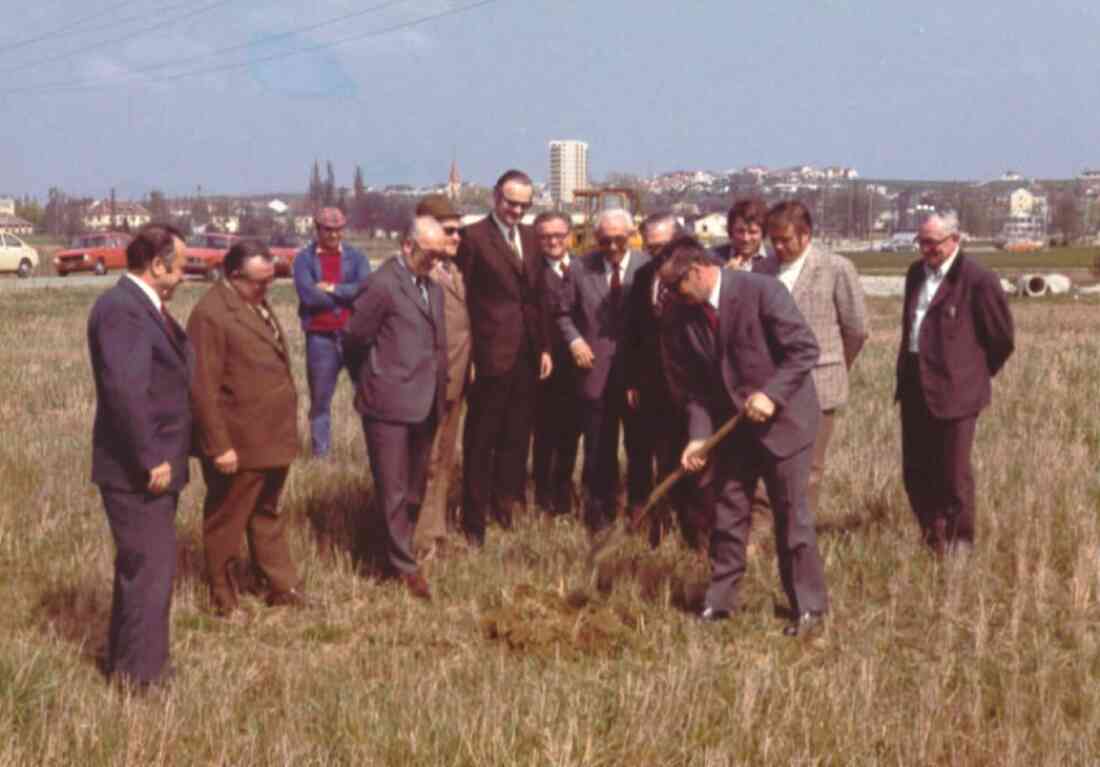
x=430, y=537
x=327, y=274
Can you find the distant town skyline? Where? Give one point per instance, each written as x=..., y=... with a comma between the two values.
x=241, y=97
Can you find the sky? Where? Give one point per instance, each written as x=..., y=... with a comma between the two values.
x=241, y=96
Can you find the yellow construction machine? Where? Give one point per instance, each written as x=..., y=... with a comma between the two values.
x=590, y=202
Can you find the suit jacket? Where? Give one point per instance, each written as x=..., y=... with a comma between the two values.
x=763, y=344
x=584, y=310
x=403, y=346
x=502, y=295
x=965, y=337
x=456, y=318
x=551, y=285
x=645, y=364
x=830, y=298
x=142, y=367
x=354, y=268
x=243, y=389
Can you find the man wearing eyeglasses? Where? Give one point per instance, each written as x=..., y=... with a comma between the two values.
x=591, y=315
x=246, y=416
x=499, y=261
x=430, y=538
x=397, y=329
x=957, y=333
x=327, y=274
x=557, y=425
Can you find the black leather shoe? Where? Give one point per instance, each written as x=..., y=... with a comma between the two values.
x=713, y=615
x=806, y=623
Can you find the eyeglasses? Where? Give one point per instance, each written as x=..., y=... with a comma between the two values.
x=553, y=235
x=329, y=230
x=607, y=242
x=515, y=203
x=451, y=231
x=928, y=242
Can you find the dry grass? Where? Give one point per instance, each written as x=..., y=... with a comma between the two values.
x=991, y=660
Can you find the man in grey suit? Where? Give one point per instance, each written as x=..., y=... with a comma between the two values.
x=591, y=314
x=397, y=333
x=142, y=364
x=826, y=290
x=740, y=345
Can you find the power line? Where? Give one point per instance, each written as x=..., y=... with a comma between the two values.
x=124, y=38
x=7, y=47
x=56, y=87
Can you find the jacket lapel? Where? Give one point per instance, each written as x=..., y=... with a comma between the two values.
x=247, y=317
x=175, y=334
x=806, y=276
x=408, y=286
x=503, y=249
x=950, y=280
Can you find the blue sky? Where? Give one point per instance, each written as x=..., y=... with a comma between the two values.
x=933, y=90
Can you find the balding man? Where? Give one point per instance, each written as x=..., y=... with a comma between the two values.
x=499, y=262
x=397, y=330
x=591, y=315
x=957, y=332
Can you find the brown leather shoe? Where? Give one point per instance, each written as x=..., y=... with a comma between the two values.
x=292, y=598
x=417, y=585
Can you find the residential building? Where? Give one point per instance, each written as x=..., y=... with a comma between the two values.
x=568, y=169
x=101, y=217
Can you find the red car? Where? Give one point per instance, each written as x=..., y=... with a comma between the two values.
x=284, y=247
x=204, y=254
x=98, y=253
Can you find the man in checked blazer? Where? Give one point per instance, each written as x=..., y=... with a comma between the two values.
x=826, y=289
x=500, y=264
x=957, y=333
x=591, y=314
x=141, y=441
x=398, y=333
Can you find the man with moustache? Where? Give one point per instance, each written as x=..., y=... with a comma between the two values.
x=499, y=262
x=745, y=224
x=246, y=416
x=557, y=426
x=431, y=536
x=327, y=274
x=957, y=333
x=826, y=289
x=142, y=363
x=591, y=315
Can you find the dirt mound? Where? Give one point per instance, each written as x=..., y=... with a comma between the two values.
x=551, y=623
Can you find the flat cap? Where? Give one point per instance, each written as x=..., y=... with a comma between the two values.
x=438, y=206
x=330, y=218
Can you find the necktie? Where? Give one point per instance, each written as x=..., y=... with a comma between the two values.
x=711, y=315
x=564, y=269
x=265, y=315
x=616, y=285
x=422, y=283
x=512, y=242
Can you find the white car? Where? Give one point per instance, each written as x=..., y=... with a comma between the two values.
x=16, y=256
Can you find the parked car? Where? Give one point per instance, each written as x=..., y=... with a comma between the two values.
x=99, y=253
x=205, y=253
x=17, y=256
x=284, y=247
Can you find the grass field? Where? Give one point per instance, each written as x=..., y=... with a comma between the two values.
x=990, y=660
x=1076, y=261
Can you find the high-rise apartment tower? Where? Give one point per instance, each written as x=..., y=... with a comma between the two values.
x=568, y=169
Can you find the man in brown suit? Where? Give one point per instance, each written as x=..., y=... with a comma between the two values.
x=430, y=536
x=499, y=261
x=826, y=289
x=246, y=413
x=957, y=333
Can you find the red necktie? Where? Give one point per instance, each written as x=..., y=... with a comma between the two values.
x=616, y=285
x=712, y=316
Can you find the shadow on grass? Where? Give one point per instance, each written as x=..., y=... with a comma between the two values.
x=78, y=615
x=872, y=513
x=342, y=518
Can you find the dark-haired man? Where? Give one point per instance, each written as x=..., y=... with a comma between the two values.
x=141, y=361
x=826, y=289
x=499, y=261
x=740, y=345
x=745, y=223
x=246, y=414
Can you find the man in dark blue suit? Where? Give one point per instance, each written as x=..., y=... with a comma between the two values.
x=398, y=331
x=141, y=441
x=591, y=313
x=740, y=345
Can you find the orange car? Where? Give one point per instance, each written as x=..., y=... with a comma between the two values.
x=284, y=247
x=204, y=254
x=98, y=253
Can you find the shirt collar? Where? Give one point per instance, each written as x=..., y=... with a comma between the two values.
x=503, y=227
x=557, y=265
x=796, y=264
x=148, y=291
x=622, y=264
x=715, y=291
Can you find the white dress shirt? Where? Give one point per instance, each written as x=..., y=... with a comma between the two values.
x=508, y=233
x=608, y=266
x=788, y=272
x=557, y=266
x=933, y=278
x=152, y=294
